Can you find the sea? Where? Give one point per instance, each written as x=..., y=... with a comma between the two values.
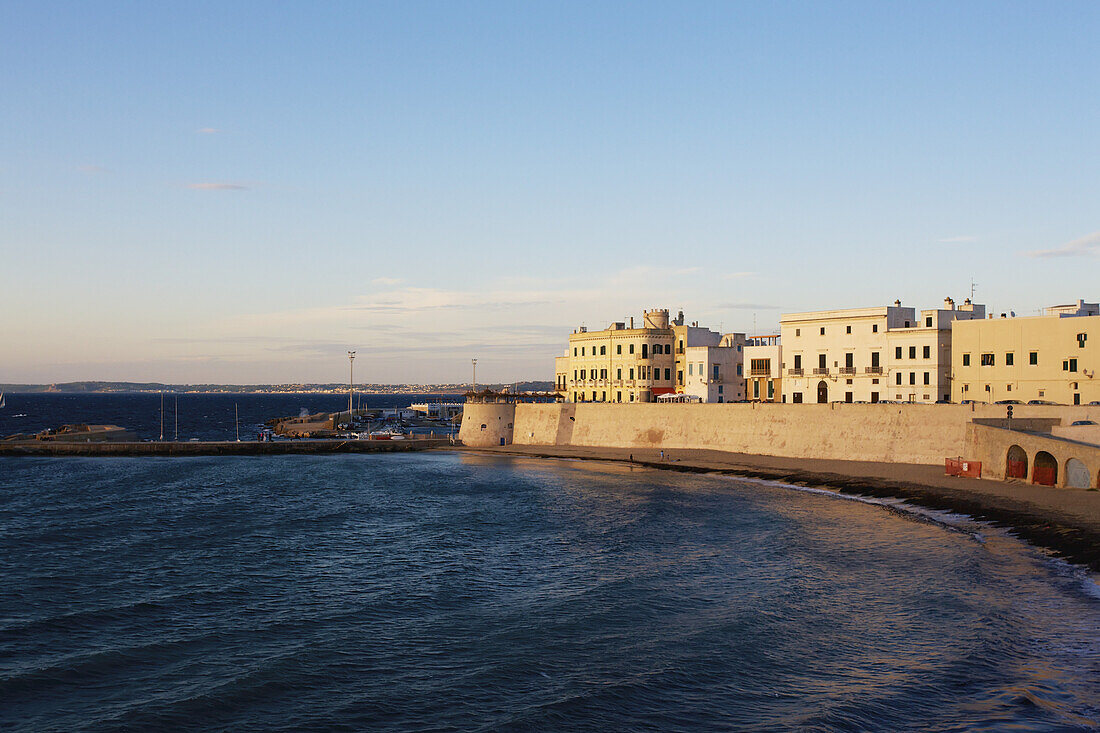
x=452, y=591
x=205, y=416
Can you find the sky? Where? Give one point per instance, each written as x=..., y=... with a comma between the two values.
x=241, y=192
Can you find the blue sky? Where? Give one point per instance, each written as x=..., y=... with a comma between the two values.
x=241, y=192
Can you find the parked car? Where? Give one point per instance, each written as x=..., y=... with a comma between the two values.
x=1095, y=402
x=1008, y=402
x=1083, y=422
x=1040, y=402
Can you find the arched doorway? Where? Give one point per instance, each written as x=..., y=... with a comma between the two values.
x=1045, y=472
x=1077, y=474
x=1016, y=467
x=822, y=392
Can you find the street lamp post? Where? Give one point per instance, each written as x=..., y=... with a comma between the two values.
x=351, y=384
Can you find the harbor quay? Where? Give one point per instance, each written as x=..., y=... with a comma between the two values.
x=317, y=446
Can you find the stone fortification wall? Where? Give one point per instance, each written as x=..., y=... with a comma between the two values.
x=893, y=433
x=487, y=424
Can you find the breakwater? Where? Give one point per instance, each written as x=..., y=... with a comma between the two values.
x=219, y=448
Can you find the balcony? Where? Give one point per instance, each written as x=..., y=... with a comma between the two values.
x=821, y=371
x=761, y=372
x=872, y=370
x=847, y=371
x=795, y=372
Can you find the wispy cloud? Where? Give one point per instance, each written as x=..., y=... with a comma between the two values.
x=1083, y=247
x=958, y=239
x=208, y=131
x=217, y=187
x=738, y=275
x=387, y=281
x=749, y=307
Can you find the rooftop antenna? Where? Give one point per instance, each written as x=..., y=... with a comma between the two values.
x=972, y=286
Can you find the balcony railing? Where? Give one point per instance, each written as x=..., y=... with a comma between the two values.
x=760, y=372
x=795, y=372
x=821, y=371
x=847, y=371
x=872, y=370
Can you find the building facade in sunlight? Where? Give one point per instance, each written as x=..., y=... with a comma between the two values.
x=1049, y=358
x=628, y=362
x=871, y=354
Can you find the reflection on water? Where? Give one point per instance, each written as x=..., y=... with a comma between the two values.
x=441, y=590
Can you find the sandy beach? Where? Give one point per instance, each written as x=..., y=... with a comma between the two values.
x=1064, y=521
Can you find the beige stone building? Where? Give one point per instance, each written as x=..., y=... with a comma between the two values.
x=763, y=368
x=1050, y=358
x=628, y=362
x=871, y=354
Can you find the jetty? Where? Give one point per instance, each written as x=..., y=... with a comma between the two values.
x=218, y=447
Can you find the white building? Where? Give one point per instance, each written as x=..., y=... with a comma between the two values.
x=715, y=373
x=871, y=354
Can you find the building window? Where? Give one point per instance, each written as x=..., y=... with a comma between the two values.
x=912, y=352
x=771, y=390
x=927, y=352
x=645, y=351
x=574, y=351
x=796, y=398
x=668, y=374
x=928, y=323
x=897, y=352
x=739, y=370
x=1069, y=365
x=680, y=376
x=681, y=348
x=897, y=378
x=987, y=360
x=582, y=351
x=912, y=377
x=755, y=389
x=874, y=328
x=631, y=348
x=582, y=373
x=821, y=361
x=798, y=361
x=822, y=330
x=966, y=359
x=1033, y=358
x=632, y=372
x=691, y=368
x=618, y=396
x=714, y=371
x=1009, y=359
x=926, y=378
x=848, y=329
x=1081, y=338
x=603, y=351
x=719, y=389
x=798, y=332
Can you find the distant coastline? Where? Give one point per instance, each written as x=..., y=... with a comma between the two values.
x=306, y=388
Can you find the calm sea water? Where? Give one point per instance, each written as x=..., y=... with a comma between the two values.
x=203, y=416
x=443, y=591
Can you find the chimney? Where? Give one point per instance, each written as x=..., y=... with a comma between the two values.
x=948, y=304
x=632, y=321
x=897, y=303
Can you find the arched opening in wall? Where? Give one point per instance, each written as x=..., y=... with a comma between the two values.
x=1077, y=474
x=822, y=392
x=1016, y=466
x=1045, y=472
